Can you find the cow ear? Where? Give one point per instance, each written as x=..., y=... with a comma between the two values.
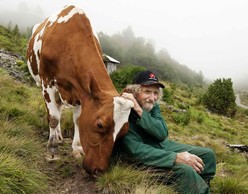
x=123, y=130
x=125, y=103
x=92, y=86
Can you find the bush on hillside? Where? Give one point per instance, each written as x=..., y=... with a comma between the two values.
x=168, y=96
x=125, y=76
x=182, y=118
x=220, y=97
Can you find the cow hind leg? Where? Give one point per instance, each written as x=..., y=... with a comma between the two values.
x=77, y=149
x=54, y=110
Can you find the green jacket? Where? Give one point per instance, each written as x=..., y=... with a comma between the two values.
x=146, y=139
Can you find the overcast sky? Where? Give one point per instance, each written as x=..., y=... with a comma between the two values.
x=206, y=35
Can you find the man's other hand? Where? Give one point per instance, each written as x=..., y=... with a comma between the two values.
x=192, y=160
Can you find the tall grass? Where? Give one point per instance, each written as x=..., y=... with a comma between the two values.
x=125, y=178
x=20, y=149
x=230, y=181
x=17, y=177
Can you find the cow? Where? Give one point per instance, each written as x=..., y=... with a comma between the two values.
x=64, y=57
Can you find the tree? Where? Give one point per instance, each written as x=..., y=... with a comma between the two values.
x=16, y=30
x=125, y=76
x=220, y=97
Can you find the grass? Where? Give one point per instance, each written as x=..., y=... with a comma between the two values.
x=24, y=132
x=215, y=131
x=126, y=178
x=227, y=182
x=17, y=177
x=19, y=148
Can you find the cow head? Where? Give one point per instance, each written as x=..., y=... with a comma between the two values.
x=103, y=118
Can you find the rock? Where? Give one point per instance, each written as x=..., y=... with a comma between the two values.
x=8, y=61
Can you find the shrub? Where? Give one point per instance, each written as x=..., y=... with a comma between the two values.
x=200, y=118
x=125, y=76
x=220, y=98
x=182, y=118
x=168, y=96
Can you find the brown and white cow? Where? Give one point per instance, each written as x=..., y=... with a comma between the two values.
x=65, y=58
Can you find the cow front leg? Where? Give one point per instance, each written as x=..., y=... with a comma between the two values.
x=54, y=110
x=55, y=136
x=77, y=149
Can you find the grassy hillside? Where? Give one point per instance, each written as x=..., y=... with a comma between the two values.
x=12, y=40
x=24, y=134
x=19, y=143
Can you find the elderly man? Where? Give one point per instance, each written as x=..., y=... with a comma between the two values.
x=191, y=167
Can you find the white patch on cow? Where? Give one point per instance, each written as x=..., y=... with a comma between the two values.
x=36, y=77
x=51, y=20
x=76, y=144
x=122, y=108
x=74, y=11
x=37, y=49
x=35, y=28
x=54, y=111
x=65, y=103
x=54, y=17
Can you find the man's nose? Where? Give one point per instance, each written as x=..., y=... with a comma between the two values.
x=152, y=97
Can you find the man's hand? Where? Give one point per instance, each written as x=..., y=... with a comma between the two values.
x=136, y=107
x=192, y=160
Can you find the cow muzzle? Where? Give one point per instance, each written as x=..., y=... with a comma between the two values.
x=92, y=170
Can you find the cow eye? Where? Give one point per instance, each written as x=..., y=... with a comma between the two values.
x=99, y=125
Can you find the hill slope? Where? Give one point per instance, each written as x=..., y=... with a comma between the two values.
x=19, y=101
x=24, y=133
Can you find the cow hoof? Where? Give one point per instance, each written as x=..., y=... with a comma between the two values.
x=51, y=158
x=52, y=148
x=60, y=142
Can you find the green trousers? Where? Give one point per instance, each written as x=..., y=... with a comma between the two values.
x=184, y=177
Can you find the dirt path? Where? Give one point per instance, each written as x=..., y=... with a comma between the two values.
x=77, y=184
x=238, y=102
x=67, y=176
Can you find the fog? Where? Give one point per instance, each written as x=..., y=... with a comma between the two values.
x=206, y=35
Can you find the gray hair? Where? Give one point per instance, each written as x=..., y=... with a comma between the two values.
x=136, y=88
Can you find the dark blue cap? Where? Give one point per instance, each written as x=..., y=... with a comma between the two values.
x=146, y=78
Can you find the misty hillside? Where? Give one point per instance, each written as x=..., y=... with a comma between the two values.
x=132, y=50
x=125, y=47
x=19, y=15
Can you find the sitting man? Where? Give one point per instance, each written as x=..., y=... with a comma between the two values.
x=191, y=167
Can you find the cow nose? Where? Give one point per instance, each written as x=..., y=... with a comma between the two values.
x=92, y=171
x=97, y=173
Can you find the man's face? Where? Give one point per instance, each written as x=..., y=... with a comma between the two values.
x=147, y=97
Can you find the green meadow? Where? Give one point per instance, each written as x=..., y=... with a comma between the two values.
x=24, y=133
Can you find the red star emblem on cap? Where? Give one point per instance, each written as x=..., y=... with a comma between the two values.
x=152, y=75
